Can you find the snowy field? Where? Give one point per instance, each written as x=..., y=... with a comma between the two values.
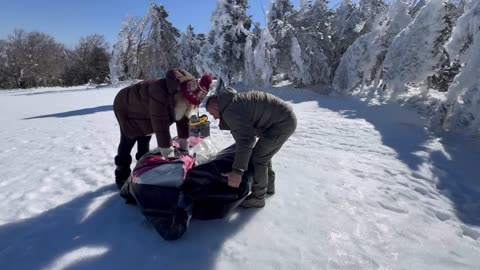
x=359, y=187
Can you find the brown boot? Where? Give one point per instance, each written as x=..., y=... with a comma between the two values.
x=270, y=189
x=251, y=201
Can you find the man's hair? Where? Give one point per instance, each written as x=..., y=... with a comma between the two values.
x=211, y=99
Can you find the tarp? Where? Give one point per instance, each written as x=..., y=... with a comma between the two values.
x=170, y=192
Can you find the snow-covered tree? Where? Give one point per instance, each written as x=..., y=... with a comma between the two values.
x=351, y=21
x=461, y=110
x=189, y=50
x=127, y=52
x=362, y=62
x=251, y=77
x=314, y=35
x=365, y=15
x=223, y=55
x=259, y=58
x=448, y=69
x=279, y=10
x=161, y=42
x=340, y=38
x=283, y=33
x=416, y=53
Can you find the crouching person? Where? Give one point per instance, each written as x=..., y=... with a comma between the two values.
x=249, y=115
x=152, y=106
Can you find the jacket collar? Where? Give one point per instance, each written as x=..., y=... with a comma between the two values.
x=224, y=99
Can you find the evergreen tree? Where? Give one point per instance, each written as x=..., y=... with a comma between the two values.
x=448, y=68
x=282, y=33
x=313, y=32
x=461, y=110
x=161, y=43
x=340, y=38
x=189, y=50
x=224, y=53
x=264, y=57
x=251, y=76
x=125, y=63
x=362, y=63
x=416, y=53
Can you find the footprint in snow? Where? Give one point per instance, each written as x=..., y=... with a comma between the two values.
x=393, y=208
x=467, y=231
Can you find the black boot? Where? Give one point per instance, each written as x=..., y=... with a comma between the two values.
x=121, y=176
x=122, y=172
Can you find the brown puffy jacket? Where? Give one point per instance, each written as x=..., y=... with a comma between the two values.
x=148, y=107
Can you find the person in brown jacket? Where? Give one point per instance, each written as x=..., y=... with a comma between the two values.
x=152, y=106
x=249, y=115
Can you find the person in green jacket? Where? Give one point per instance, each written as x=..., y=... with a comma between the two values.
x=251, y=115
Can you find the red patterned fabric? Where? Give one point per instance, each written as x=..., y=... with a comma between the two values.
x=195, y=91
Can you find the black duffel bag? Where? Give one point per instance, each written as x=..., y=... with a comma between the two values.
x=205, y=186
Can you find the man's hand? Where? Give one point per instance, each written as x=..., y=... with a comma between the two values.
x=234, y=179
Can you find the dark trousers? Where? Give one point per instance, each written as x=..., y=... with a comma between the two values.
x=267, y=146
x=123, y=158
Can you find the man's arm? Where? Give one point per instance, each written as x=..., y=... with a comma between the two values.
x=243, y=133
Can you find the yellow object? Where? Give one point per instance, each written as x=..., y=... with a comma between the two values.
x=202, y=119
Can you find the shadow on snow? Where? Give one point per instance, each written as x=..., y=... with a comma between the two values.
x=80, y=112
x=97, y=230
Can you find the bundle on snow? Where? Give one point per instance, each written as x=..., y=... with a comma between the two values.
x=206, y=187
x=170, y=191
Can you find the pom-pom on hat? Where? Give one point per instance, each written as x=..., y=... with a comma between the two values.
x=195, y=91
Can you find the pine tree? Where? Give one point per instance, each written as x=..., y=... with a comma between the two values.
x=362, y=63
x=282, y=32
x=126, y=52
x=259, y=57
x=189, y=50
x=448, y=69
x=223, y=55
x=313, y=33
x=161, y=43
x=251, y=76
x=264, y=57
x=416, y=54
x=280, y=10
x=461, y=110
x=340, y=38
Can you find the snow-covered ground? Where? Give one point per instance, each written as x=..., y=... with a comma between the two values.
x=359, y=187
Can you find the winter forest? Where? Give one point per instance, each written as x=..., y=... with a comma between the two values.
x=421, y=53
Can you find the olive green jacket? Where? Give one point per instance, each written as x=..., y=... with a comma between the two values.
x=248, y=115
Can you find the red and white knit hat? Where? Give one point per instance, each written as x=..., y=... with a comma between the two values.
x=195, y=91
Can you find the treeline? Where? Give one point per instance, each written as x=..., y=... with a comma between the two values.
x=35, y=59
x=380, y=49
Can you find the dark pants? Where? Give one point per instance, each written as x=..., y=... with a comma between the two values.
x=266, y=147
x=123, y=158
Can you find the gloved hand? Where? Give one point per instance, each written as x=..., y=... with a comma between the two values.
x=167, y=152
x=183, y=146
x=183, y=142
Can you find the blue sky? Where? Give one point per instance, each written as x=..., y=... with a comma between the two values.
x=68, y=20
